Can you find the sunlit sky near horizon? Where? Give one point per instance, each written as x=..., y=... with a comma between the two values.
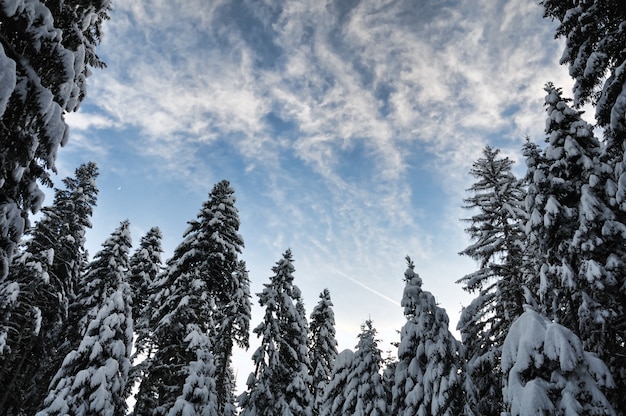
x=346, y=128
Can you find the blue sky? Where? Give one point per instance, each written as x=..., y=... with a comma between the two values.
x=345, y=127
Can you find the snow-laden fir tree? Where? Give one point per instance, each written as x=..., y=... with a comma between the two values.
x=334, y=393
x=322, y=347
x=548, y=372
x=497, y=233
x=44, y=276
x=428, y=380
x=206, y=287
x=364, y=393
x=144, y=266
x=46, y=50
x=595, y=41
x=199, y=393
x=93, y=376
x=576, y=254
x=280, y=382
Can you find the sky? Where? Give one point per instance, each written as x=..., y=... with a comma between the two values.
x=345, y=127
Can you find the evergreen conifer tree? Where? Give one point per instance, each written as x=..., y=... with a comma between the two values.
x=498, y=236
x=322, y=347
x=428, y=380
x=575, y=239
x=44, y=276
x=334, y=393
x=46, y=49
x=145, y=265
x=280, y=383
x=364, y=392
x=548, y=372
x=595, y=41
x=93, y=376
x=204, y=287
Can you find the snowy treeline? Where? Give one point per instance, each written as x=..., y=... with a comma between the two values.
x=544, y=335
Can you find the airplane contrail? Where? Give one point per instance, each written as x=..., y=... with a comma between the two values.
x=364, y=286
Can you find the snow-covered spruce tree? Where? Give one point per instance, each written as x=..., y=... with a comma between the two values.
x=322, y=347
x=548, y=372
x=497, y=233
x=428, y=380
x=575, y=240
x=334, y=393
x=144, y=266
x=46, y=49
x=199, y=393
x=595, y=41
x=93, y=376
x=206, y=286
x=280, y=382
x=364, y=392
x=45, y=274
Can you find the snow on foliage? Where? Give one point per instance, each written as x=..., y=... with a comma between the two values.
x=45, y=57
x=427, y=376
x=281, y=381
x=322, y=347
x=547, y=371
x=93, y=377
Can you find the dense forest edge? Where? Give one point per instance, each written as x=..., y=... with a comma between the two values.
x=545, y=333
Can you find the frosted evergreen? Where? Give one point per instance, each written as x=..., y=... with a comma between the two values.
x=496, y=229
x=322, y=347
x=44, y=64
x=547, y=371
x=427, y=376
x=280, y=383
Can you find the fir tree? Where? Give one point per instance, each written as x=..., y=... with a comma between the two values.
x=45, y=55
x=280, y=382
x=145, y=265
x=45, y=275
x=322, y=347
x=334, y=393
x=497, y=233
x=204, y=287
x=595, y=41
x=548, y=372
x=93, y=376
x=427, y=374
x=364, y=392
x=575, y=239
x=199, y=393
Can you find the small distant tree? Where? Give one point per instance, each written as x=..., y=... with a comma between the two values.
x=364, y=392
x=428, y=380
x=322, y=347
x=280, y=383
x=548, y=372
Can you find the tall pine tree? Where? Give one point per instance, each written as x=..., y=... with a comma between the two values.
x=575, y=239
x=334, y=392
x=204, y=288
x=280, y=383
x=496, y=229
x=45, y=275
